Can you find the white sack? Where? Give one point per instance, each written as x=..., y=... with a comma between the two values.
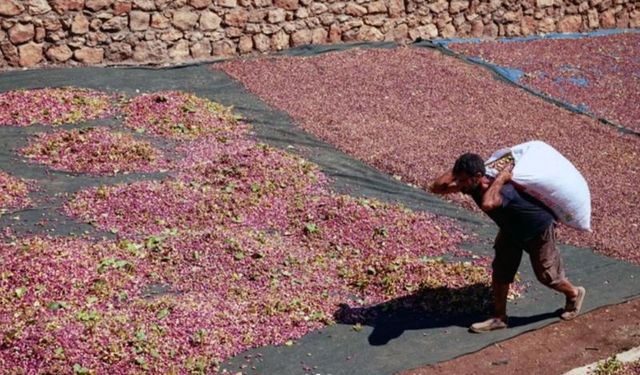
x=545, y=174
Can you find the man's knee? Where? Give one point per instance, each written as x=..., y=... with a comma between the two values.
x=550, y=278
x=502, y=276
x=545, y=278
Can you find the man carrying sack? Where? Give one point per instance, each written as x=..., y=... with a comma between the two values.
x=525, y=224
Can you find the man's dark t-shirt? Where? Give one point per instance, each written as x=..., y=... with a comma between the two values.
x=521, y=216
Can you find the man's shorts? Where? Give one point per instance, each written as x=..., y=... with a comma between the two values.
x=543, y=253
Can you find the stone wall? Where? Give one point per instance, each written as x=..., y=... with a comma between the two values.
x=96, y=32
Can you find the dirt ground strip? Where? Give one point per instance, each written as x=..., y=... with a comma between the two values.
x=554, y=349
x=438, y=107
x=600, y=74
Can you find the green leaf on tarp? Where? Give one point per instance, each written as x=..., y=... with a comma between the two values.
x=140, y=335
x=20, y=292
x=163, y=313
x=311, y=228
x=57, y=305
x=78, y=369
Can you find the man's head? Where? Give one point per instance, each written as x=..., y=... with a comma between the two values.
x=468, y=171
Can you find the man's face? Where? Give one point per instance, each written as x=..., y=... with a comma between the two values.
x=468, y=183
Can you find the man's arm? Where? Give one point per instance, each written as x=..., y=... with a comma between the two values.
x=444, y=184
x=492, y=198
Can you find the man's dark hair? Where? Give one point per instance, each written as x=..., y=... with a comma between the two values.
x=469, y=164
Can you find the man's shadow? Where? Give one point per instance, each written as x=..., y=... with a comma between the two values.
x=426, y=309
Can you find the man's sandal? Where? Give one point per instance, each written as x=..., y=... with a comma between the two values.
x=488, y=325
x=572, y=307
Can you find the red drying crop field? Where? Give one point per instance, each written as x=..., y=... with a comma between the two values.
x=94, y=150
x=69, y=304
x=243, y=245
x=53, y=106
x=601, y=73
x=13, y=193
x=179, y=115
x=411, y=112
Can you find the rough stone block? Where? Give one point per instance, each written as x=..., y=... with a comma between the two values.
x=547, y=25
x=622, y=20
x=30, y=54
x=121, y=7
x=180, y=51
x=158, y=21
x=236, y=17
x=150, y=51
x=634, y=18
x=570, y=24
x=424, y=32
x=171, y=36
x=439, y=6
x=201, y=50
x=115, y=24
x=457, y=6
x=89, y=55
x=227, y=3
x=200, y=4
x=96, y=5
x=10, y=8
x=10, y=53
x=118, y=52
x=318, y=8
x=21, y=33
x=80, y=25
x=63, y=6
x=147, y=5
x=301, y=37
x=262, y=42
x=185, y=19
x=355, y=10
x=224, y=48
x=287, y=4
x=376, y=20
x=593, y=19
x=37, y=7
x=370, y=34
x=41, y=33
x=319, y=35
x=59, y=54
x=377, y=7
x=396, y=8
x=280, y=40
x=209, y=21
x=477, y=28
x=608, y=19
x=245, y=45
x=276, y=16
x=139, y=20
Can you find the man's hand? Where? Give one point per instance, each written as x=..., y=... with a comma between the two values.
x=444, y=184
x=505, y=175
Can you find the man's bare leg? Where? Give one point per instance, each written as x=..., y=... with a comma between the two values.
x=565, y=287
x=574, y=298
x=500, y=293
x=499, y=321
